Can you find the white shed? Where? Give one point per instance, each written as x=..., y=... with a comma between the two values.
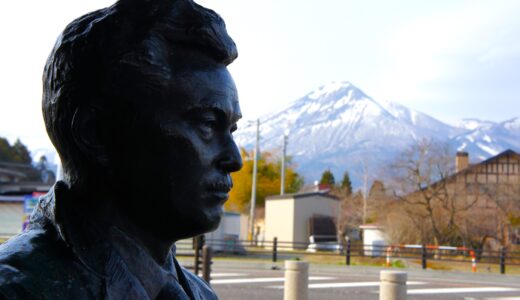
x=374, y=240
x=11, y=215
x=227, y=234
x=287, y=216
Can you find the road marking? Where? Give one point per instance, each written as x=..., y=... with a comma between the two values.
x=345, y=284
x=494, y=298
x=460, y=290
x=214, y=275
x=261, y=280
x=354, y=284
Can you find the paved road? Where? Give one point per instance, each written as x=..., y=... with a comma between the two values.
x=254, y=281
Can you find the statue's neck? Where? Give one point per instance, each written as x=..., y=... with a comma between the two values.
x=102, y=208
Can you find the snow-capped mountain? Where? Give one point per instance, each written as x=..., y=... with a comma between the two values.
x=471, y=124
x=489, y=138
x=338, y=127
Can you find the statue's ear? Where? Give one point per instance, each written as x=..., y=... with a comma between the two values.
x=89, y=133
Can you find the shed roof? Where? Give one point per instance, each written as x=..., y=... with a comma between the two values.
x=300, y=195
x=472, y=167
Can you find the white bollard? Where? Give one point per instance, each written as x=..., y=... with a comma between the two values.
x=393, y=285
x=296, y=280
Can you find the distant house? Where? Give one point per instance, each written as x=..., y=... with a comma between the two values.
x=7, y=175
x=493, y=187
x=22, y=179
x=288, y=217
x=11, y=215
x=24, y=188
x=503, y=168
x=18, y=194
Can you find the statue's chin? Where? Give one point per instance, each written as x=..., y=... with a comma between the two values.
x=209, y=224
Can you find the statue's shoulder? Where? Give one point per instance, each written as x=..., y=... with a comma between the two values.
x=37, y=264
x=18, y=256
x=199, y=287
x=12, y=284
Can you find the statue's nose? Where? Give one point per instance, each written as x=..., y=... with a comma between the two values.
x=230, y=161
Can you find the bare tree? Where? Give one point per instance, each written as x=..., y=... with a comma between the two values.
x=421, y=184
x=351, y=213
x=364, y=205
x=495, y=216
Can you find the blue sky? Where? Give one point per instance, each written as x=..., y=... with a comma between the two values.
x=449, y=59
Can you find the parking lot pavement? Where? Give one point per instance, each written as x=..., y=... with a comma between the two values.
x=258, y=281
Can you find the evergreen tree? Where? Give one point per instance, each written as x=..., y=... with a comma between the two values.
x=327, y=178
x=5, y=150
x=346, y=184
x=17, y=153
x=42, y=163
x=21, y=153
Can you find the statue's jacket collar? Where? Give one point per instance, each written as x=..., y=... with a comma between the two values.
x=117, y=264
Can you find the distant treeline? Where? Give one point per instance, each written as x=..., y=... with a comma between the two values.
x=15, y=153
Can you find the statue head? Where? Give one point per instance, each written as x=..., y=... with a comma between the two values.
x=141, y=109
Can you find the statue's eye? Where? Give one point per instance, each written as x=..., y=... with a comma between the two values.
x=207, y=125
x=208, y=122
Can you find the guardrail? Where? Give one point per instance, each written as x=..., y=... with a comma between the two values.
x=271, y=250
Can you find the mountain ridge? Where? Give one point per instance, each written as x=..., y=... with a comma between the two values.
x=339, y=127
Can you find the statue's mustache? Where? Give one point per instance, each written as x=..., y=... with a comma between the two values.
x=223, y=184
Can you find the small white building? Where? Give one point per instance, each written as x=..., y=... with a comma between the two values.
x=11, y=215
x=374, y=240
x=287, y=216
x=227, y=234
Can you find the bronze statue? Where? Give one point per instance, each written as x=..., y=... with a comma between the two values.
x=141, y=108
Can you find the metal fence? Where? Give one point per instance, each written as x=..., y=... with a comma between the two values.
x=423, y=254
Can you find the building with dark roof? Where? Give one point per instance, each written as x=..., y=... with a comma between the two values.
x=486, y=194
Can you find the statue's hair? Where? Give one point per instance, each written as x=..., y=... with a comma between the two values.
x=97, y=59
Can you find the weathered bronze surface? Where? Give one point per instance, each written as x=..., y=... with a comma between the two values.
x=141, y=108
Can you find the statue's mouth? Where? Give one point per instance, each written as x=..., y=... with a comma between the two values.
x=218, y=191
x=220, y=186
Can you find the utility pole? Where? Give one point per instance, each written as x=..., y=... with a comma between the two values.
x=253, y=190
x=365, y=190
x=282, y=185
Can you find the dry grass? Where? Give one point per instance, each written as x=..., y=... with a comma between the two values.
x=485, y=268
x=328, y=259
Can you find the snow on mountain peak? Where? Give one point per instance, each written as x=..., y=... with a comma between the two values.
x=513, y=124
x=472, y=124
x=329, y=89
x=337, y=126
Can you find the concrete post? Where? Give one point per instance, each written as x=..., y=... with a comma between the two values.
x=296, y=280
x=393, y=285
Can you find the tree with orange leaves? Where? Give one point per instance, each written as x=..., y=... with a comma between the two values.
x=268, y=180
